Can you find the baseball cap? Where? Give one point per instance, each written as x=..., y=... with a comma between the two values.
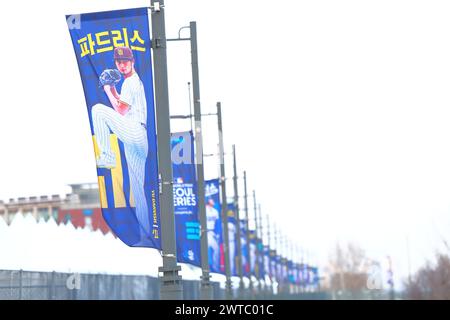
x=123, y=53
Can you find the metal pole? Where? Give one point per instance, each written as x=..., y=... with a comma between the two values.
x=171, y=286
x=226, y=243
x=238, y=222
x=281, y=284
x=206, y=288
x=292, y=285
x=275, y=240
x=258, y=235
x=302, y=284
x=247, y=230
x=295, y=264
x=268, y=238
x=261, y=261
x=20, y=283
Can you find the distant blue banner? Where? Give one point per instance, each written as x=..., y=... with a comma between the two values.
x=214, y=226
x=290, y=271
x=253, y=265
x=313, y=275
x=316, y=276
x=267, y=261
x=284, y=270
x=279, y=269
x=113, y=51
x=187, y=223
x=273, y=264
x=260, y=248
x=298, y=277
x=232, y=238
x=305, y=274
x=245, y=253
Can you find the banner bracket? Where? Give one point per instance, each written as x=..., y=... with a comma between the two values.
x=157, y=43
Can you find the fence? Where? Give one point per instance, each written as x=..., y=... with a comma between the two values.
x=29, y=285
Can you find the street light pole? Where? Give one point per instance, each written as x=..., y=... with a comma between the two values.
x=226, y=243
x=261, y=256
x=238, y=226
x=171, y=286
x=270, y=263
x=206, y=288
x=247, y=229
x=258, y=236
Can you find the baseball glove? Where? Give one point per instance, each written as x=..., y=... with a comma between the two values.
x=109, y=77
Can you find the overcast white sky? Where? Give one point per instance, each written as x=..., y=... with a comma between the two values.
x=339, y=111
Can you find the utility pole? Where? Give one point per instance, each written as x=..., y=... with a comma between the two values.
x=206, y=288
x=275, y=247
x=171, y=286
x=270, y=263
x=261, y=257
x=226, y=244
x=247, y=230
x=281, y=239
x=292, y=254
x=238, y=226
x=409, y=259
x=257, y=233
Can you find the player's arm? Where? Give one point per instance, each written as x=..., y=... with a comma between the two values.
x=114, y=98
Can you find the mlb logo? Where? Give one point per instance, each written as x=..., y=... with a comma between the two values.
x=180, y=180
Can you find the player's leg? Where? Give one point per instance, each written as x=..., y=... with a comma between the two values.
x=106, y=119
x=136, y=170
x=232, y=256
x=99, y=114
x=211, y=248
x=215, y=246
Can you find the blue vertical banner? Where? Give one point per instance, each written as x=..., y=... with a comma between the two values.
x=290, y=271
x=279, y=267
x=113, y=52
x=273, y=264
x=305, y=275
x=284, y=270
x=232, y=238
x=267, y=261
x=245, y=253
x=260, y=248
x=298, y=274
x=253, y=266
x=214, y=225
x=187, y=224
x=315, y=276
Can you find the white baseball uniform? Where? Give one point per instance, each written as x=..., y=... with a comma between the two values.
x=212, y=215
x=130, y=129
x=232, y=241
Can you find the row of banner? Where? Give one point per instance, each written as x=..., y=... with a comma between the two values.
x=113, y=51
x=188, y=228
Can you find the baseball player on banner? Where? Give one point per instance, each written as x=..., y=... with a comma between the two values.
x=126, y=119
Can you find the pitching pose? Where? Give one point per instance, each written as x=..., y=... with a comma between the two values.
x=212, y=217
x=127, y=119
x=232, y=245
